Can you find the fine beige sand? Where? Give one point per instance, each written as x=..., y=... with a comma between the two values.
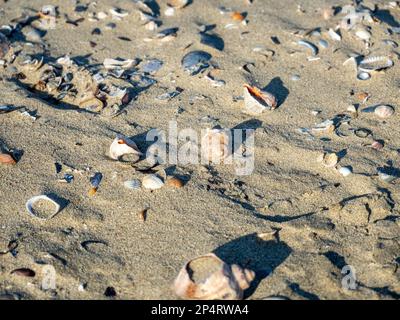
x=293, y=221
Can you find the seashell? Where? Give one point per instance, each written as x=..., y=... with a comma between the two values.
x=122, y=146
x=209, y=278
x=175, y=182
x=309, y=45
x=95, y=182
x=334, y=35
x=195, y=61
x=375, y=63
x=178, y=4
x=142, y=215
x=132, y=184
x=113, y=63
x=257, y=100
x=377, y=145
x=215, y=145
x=102, y=15
x=388, y=174
x=151, y=25
x=7, y=159
x=169, y=12
x=329, y=160
x=345, y=171
x=119, y=13
x=152, y=182
x=363, y=34
x=65, y=61
x=363, y=76
x=152, y=66
x=24, y=272
x=212, y=41
x=384, y=111
x=323, y=43
x=91, y=104
x=8, y=108
x=237, y=16
x=32, y=201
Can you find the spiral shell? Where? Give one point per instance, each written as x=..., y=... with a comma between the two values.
x=257, y=100
x=122, y=146
x=209, y=278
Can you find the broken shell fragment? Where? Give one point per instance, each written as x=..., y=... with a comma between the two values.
x=257, y=100
x=309, y=45
x=7, y=159
x=152, y=182
x=30, y=207
x=210, y=278
x=212, y=41
x=363, y=76
x=123, y=146
x=329, y=160
x=384, y=111
x=196, y=61
x=174, y=182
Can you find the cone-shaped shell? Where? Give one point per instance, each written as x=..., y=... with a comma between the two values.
x=209, y=278
x=122, y=146
x=257, y=100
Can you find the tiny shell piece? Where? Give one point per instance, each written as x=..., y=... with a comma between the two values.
x=4, y=45
x=122, y=146
x=132, y=184
x=209, y=278
x=178, y=4
x=33, y=200
x=152, y=182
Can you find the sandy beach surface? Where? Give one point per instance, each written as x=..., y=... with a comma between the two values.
x=306, y=228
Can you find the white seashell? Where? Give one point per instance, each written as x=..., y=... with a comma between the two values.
x=215, y=145
x=363, y=76
x=152, y=182
x=334, y=35
x=345, y=171
x=169, y=12
x=122, y=146
x=113, y=63
x=384, y=111
x=309, y=45
x=257, y=100
x=375, y=63
x=118, y=13
x=132, y=184
x=102, y=15
x=65, y=61
x=29, y=206
x=363, y=34
x=329, y=160
x=209, y=278
x=178, y=4
x=151, y=25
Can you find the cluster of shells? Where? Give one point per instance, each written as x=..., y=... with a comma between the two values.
x=66, y=82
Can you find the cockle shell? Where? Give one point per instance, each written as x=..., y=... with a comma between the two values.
x=384, y=111
x=122, y=146
x=257, y=100
x=215, y=145
x=152, y=182
x=209, y=278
